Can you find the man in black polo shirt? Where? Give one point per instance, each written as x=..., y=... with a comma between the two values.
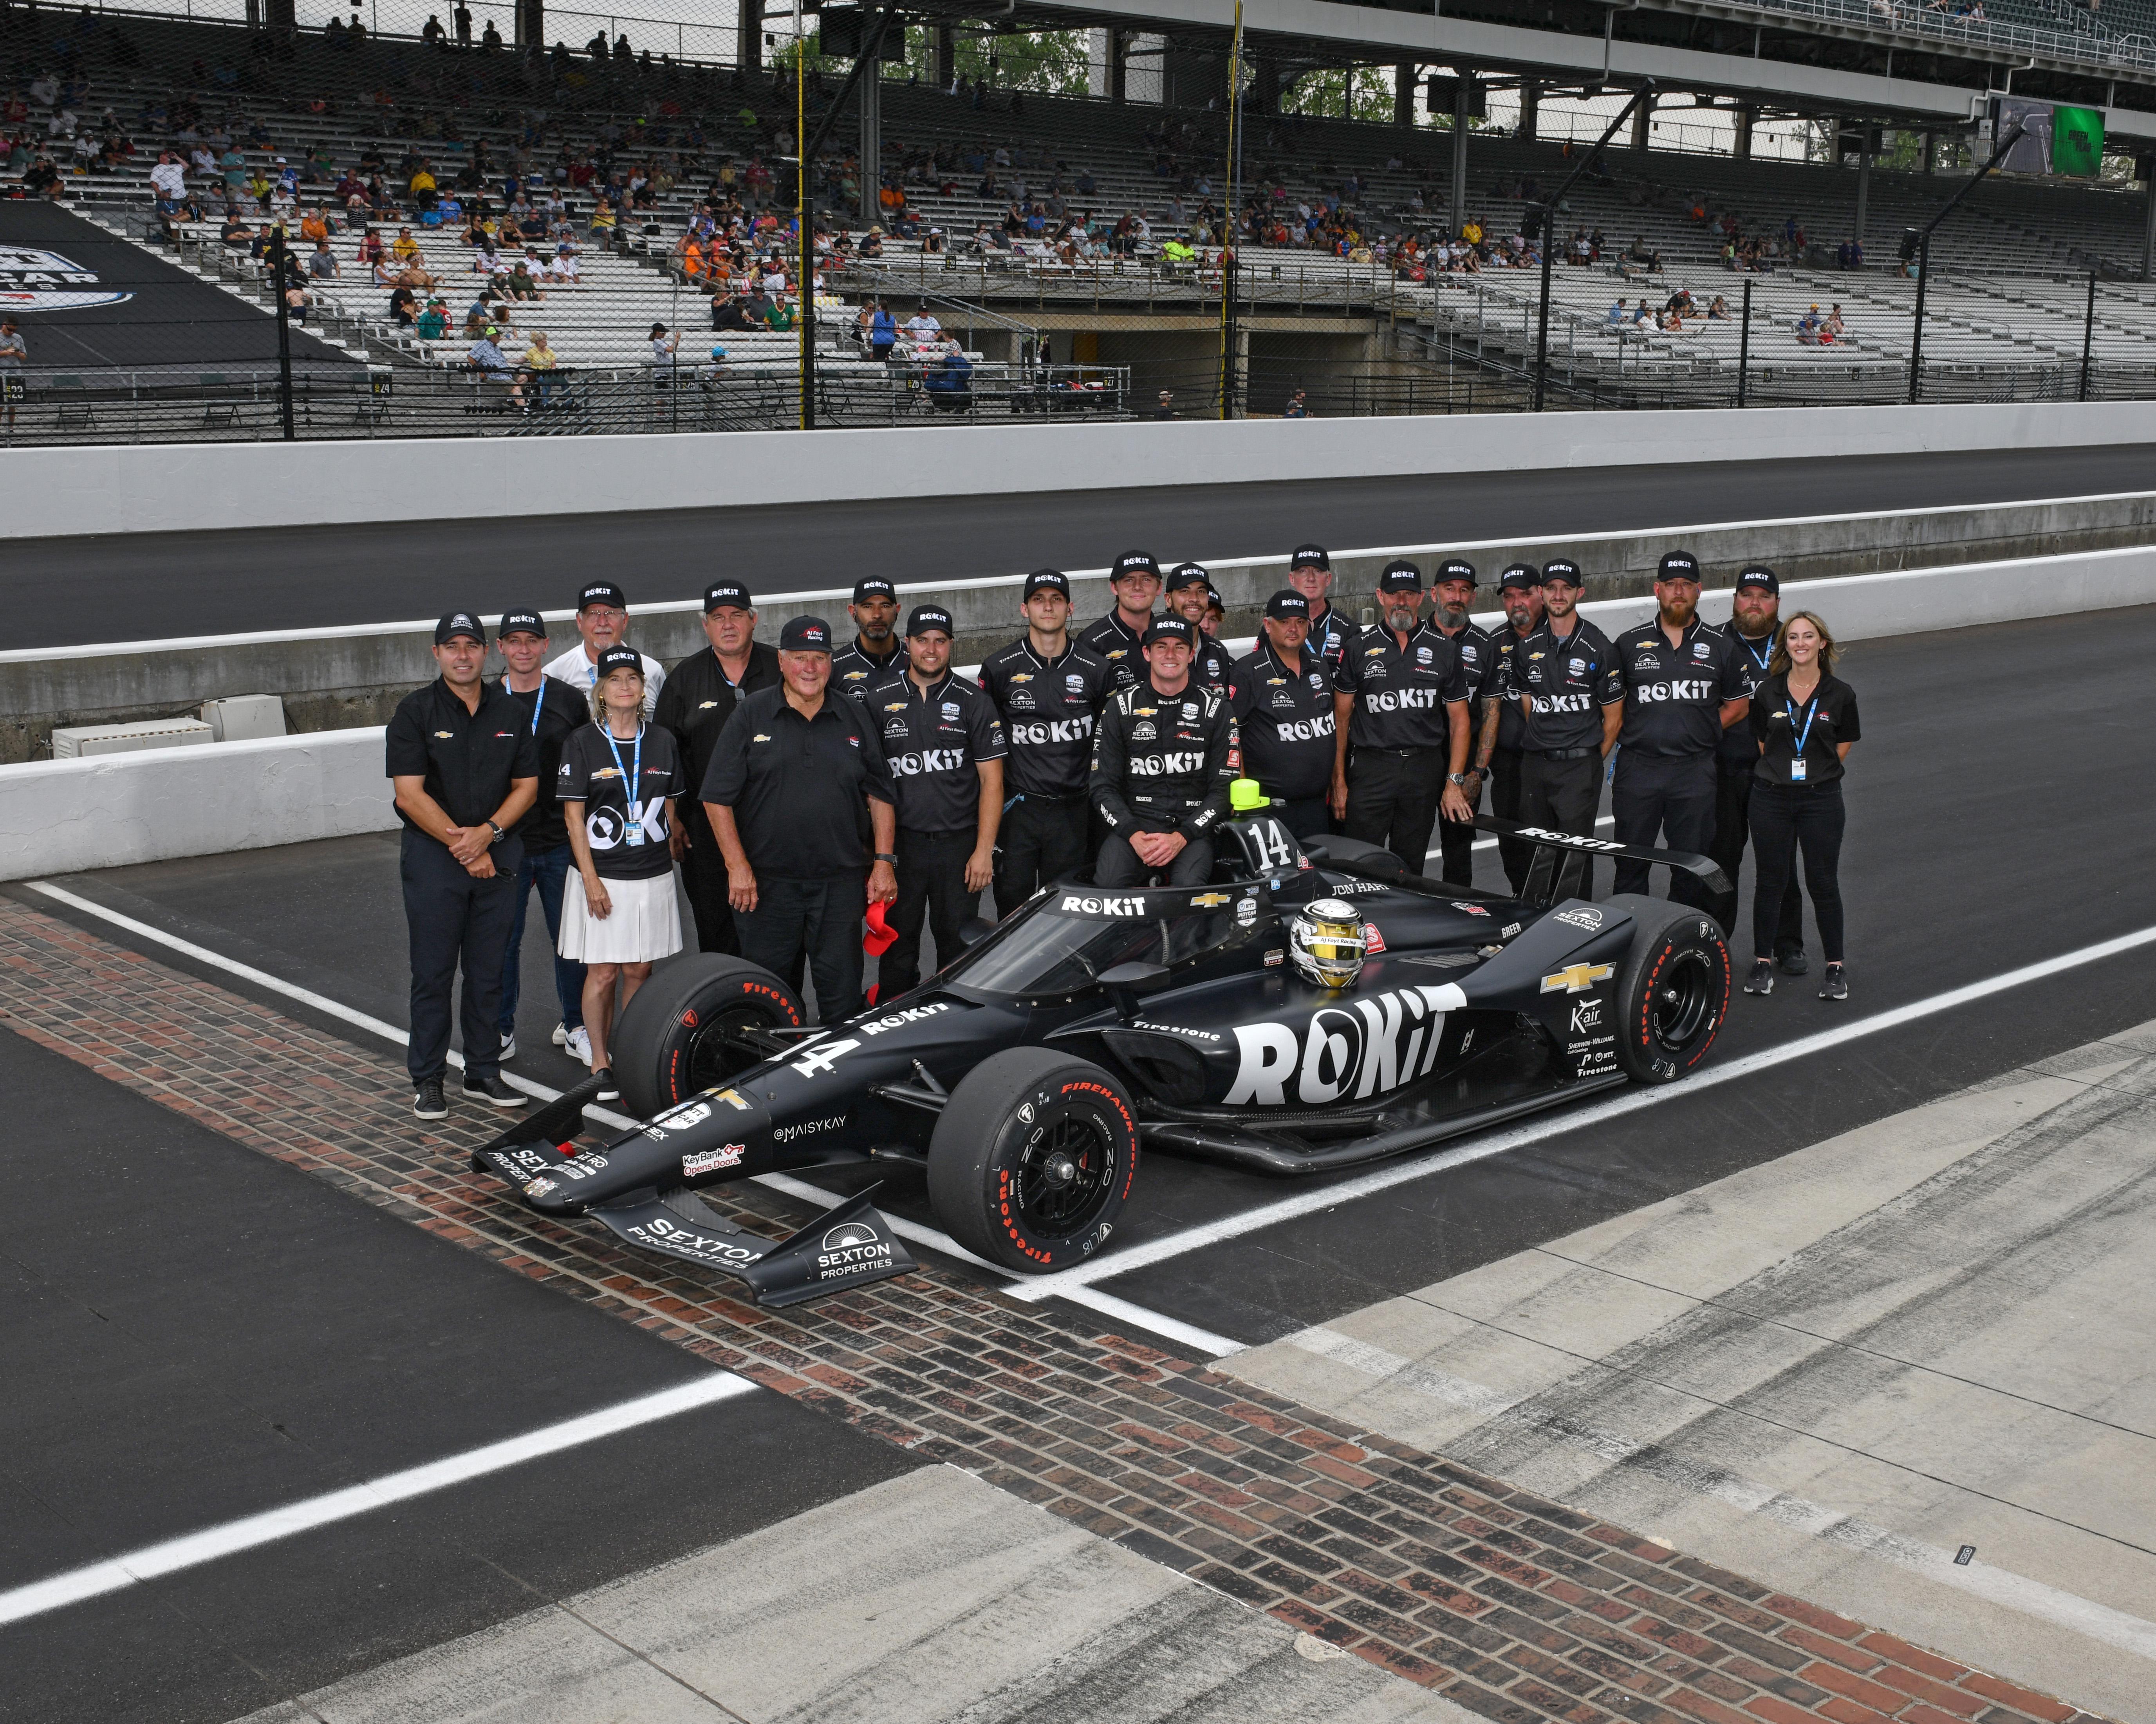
x=1504, y=727
x=1189, y=594
x=552, y=710
x=1400, y=703
x=791, y=775
x=1572, y=694
x=700, y=696
x=1117, y=639
x=1453, y=593
x=1310, y=572
x=466, y=770
x=1048, y=690
x=875, y=651
x=1163, y=756
x=1684, y=683
x=1282, y=697
x=945, y=747
x=1755, y=619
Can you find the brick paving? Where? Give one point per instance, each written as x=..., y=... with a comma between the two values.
x=1512, y=1606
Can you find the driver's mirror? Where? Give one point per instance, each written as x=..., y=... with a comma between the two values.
x=974, y=929
x=1123, y=982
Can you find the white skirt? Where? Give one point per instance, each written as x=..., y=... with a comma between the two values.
x=643, y=926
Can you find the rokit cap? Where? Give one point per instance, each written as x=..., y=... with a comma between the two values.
x=726, y=595
x=1288, y=604
x=1047, y=581
x=1135, y=562
x=1677, y=565
x=459, y=623
x=1559, y=568
x=1310, y=556
x=1758, y=574
x=927, y=617
x=1456, y=568
x=1188, y=574
x=1171, y=627
x=616, y=657
x=1400, y=576
x=874, y=586
x=1520, y=577
x=805, y=635
x=602, y=592
x=522, y=622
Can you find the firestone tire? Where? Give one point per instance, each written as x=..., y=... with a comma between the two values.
x=666, y=1046
x=1032, y=1159
x=1674, y=991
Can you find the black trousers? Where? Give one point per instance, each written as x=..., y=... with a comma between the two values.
x=1668, y=800
x=1505, y=803
x=1732, y=817
x=1786, y=817
x=1118, y=865
x=1041, y=839
x=1562, y=796
x=1392, y=799
x=1455, y=841
x=704, y=878
x=931, y=888
x=1305, y=816
x=818, y=920
x=450, y=917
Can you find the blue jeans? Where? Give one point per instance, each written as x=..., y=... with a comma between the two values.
x=548, y=870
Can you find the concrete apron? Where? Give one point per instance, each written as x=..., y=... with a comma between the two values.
x=1833, y=1372
x=341, y=678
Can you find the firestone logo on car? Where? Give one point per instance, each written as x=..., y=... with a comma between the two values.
x=1365, y=1048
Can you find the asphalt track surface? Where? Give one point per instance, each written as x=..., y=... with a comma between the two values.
x=141, y=587
x=173, y=1299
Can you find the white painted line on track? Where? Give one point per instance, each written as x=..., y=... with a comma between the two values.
x=1552, y=1125
x=1169, y=1328
x=194, y=1549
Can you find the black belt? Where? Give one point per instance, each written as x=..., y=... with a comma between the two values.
x=1401, y=753
x=944, y=832
x=1563, y=754
x=1062, y=796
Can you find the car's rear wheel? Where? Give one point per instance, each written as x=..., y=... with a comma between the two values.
x=675, y=1037
x=1674, y=991
x=1032, y=1159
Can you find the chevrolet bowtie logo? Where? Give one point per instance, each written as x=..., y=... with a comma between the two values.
x=1209, y=900
x=1578, y=978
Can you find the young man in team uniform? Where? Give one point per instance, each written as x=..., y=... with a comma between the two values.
x=1310, y=572
x=1572, y=694
x=875, y=651
x=1048, y=690
x=1453, y=593
x=1163, y=756
x=1118, y=638
x=1755, y=619
x=1498, y=746
x=1189, y=595
x=1282, y=697
x=1400, y=705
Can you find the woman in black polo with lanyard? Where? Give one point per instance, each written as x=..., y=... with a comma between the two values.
x=1805, y=718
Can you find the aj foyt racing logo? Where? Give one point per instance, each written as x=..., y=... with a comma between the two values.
x=34, y=280
x=1365, y=1047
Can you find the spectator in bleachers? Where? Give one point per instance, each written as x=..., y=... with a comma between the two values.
x=323, y=266
x=883, y=333
x=434, y=323
x=544, y=365
x=14, y=355
x=487, y=358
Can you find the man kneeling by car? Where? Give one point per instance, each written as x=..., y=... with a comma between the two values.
x=1163, y=755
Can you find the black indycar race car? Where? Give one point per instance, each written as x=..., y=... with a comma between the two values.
x=1311, y=1009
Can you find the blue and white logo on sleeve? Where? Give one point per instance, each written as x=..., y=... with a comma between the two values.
x=34, y=280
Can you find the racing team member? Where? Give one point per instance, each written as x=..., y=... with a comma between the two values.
x=1400, y=702
x=554, y=710
x=700, y=696
x=1118, y=638
x=1048, y=690
x=876, y=651
x=784, y=794
x=1282, y=698
x=603, y=622
x=466, y=770
x=1572, y=694
x=1163, y=756
x=945, y=747
x=1755, y=619
x=1453, y=591
x=1498, y=748
x=1684, y=686
x=1190, y=595
x=1310, y=572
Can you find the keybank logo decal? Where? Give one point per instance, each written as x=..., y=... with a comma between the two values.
x=33, y=280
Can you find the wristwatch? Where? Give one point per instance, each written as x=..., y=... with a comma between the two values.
x=498, y=833
x=1459, y=778
x=885, y=856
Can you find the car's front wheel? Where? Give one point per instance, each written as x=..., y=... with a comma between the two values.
x=679, y=1035
x=1674, y=992
x=1032, y=1159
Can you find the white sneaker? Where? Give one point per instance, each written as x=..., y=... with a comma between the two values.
x=579, y=1044
x=509, y=1044
x=561, y=1035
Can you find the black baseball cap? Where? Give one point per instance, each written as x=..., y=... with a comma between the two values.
x=1758, y=574
x=1523, y=576
x=723, y=594
x=1456, y=568
x=520, y=622
x=602, y=592
x=616, y=657
x=1562, y=569
x=1288, y=603
x=1171, y=627
x=1134, y=562
x=874, y=586
x=1400, y=576
x=925, y=617
x=1188, y=574
x=1310, y=556
x=458, y=623
x=805, y=635
x=1046, y=581
x=1677, y=565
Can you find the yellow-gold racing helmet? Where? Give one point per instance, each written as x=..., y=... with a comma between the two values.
x=1326, y=943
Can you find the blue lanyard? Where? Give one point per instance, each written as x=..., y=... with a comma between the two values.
x=1799, y=738
x=539, y=707
x=636, y=783
x=1759, y=658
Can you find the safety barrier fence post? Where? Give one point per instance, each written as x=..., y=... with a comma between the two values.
x=1744, y=346
x=2088, y=336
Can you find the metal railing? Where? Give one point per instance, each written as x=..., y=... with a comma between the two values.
x=2085, y=38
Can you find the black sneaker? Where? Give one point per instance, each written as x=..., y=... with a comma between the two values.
x=609, y=1091
x=1793, y=963
x=428, y=1103
x=1762, y=978
x=1834, y=986
x=492, y=1089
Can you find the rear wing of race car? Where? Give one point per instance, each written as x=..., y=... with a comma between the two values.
x=1558, y=868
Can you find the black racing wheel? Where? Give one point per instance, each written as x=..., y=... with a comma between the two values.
x=1674, y=991
x=1032, y=1159
x=679, y=1035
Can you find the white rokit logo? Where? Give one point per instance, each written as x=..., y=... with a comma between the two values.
x=1357, y=1049
x=34, y=280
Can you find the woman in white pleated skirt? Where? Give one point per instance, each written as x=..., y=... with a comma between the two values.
x=620, y=779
